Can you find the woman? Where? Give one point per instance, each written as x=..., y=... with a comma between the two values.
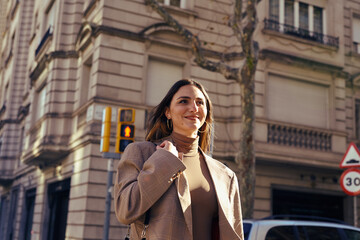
x=185, y=193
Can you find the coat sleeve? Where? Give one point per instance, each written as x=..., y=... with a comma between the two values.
x=140, y=182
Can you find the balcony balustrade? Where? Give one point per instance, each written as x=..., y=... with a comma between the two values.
x=299, y=137
x=301, y=33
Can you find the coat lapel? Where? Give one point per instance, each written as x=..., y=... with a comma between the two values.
x=221, y=180
x=185, y=200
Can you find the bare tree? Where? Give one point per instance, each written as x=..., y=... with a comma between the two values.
x=243, y=23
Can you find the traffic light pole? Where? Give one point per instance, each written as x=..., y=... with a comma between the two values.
x=110, y=169
x=124, y=135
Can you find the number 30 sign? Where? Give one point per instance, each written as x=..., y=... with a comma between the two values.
x=350, y=181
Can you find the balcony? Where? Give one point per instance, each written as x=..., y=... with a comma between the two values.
x=299, y=137
x=47, y=36
x=45, y=148
x=289, y=143
x=6, y=177
x=301, y=33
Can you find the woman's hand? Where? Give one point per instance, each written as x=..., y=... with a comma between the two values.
x=168, y=146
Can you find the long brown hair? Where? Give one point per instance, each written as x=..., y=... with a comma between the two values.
x=157, y=125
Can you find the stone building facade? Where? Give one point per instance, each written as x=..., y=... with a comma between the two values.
x=62, y=62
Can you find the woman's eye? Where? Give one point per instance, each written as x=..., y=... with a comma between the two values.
x=183, y=101
x=200, y=103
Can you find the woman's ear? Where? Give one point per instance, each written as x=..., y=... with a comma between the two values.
x=167, y=113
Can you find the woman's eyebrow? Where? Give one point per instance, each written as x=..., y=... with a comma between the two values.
x=184, y=97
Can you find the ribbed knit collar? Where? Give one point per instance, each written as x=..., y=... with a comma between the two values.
x=188, y=146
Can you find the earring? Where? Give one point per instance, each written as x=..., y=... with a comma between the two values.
x=204, y=128
x=169, y=124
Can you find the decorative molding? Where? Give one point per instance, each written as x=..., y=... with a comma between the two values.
x=43, y=62
x=8, y=121
x=302, y=62
x=90, y=30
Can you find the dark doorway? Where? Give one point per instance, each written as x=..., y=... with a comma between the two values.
x=4, y=206
x=58, y=202
x=309, y=204
x=12, y=214
x=29, y=212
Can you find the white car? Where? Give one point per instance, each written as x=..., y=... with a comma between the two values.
x=275, y=229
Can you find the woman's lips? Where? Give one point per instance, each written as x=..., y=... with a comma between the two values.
x=192, y=117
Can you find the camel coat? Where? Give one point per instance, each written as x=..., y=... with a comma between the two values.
x=149, y=178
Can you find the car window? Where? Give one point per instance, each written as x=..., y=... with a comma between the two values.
x=281, y=233
x=323, y=233
x=246, y=228
x=352, y=234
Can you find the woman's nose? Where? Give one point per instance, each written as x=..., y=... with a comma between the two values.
x=194, y=107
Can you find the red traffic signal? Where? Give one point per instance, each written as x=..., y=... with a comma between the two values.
x=125, y=135
x=127, y=131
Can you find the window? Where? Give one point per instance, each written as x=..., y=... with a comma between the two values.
x=298, y=18
x=289, y=12
x=298, y=102
x=247, y=229
x=352, y=234
x=40, y=106
x=274, y=10
x=176, y=3
x=281, y=233
x=356, y=33
x=303, y=16
x=47, y=27
x=49, y=18
x=21, y=145
x=357, y=118
x=323, y=233
x=85, y=82
x=318, y=20
x=161, y=76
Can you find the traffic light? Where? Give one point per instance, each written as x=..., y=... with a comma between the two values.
x=105, y=130
x=125, y=129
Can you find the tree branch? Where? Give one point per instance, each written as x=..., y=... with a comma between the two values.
x=227, y=71
x=236, y=23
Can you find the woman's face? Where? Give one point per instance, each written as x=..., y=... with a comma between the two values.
x=187, y=110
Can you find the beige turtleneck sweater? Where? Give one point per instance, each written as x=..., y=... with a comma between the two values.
x=202, y=191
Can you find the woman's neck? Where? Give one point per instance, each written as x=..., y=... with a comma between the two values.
x=185, y=144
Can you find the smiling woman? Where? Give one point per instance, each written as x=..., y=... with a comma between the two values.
x=189, y=194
